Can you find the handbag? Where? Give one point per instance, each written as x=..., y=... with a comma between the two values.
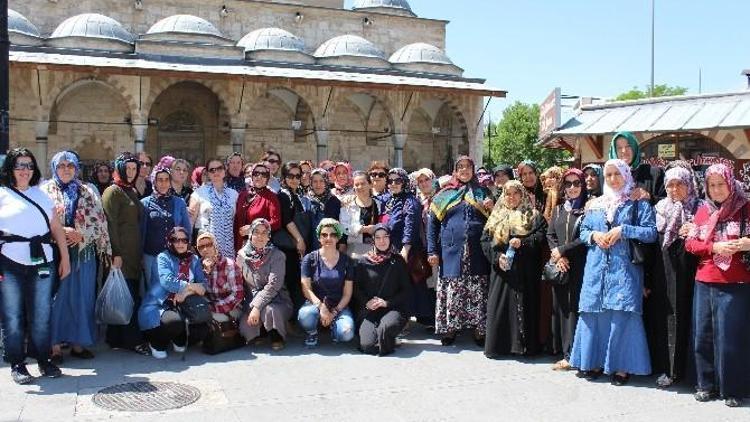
x=222, y=336
x=283, y=240
x=419, y=268
x=195, y=309
x=552, y=275
x=637, y=248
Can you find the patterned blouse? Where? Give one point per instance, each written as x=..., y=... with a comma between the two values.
x=225, y=286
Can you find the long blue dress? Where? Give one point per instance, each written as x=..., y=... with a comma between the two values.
x=73, y=306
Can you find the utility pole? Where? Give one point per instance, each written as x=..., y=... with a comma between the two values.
x=653, y=30
x=700, y=80
x=4, y=81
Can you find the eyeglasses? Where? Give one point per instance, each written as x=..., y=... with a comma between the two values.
x=378, y=175
x=294, y=176
x=182, y=240
x=273, y=160
x=24, y=166
x=395, y=181
x=325, y=235
x=215, y=169
x=180, y=170
x=463, y=167
x=576, y=183
x=145, y=163
x=260, y=174
x=204, y=246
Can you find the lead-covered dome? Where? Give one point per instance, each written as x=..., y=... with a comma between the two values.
x=274, y=44
x=422, y=57
x=92, y=31
x=21, y=31
x=395, y=7
x=350, y=50
x=184, y=24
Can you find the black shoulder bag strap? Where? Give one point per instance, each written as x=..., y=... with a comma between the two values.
x=35, y=244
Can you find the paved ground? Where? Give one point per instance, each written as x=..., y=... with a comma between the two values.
x=423, y=381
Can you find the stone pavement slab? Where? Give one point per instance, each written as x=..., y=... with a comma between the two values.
x=422, y=381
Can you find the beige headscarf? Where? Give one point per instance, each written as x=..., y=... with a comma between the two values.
x=506, y=222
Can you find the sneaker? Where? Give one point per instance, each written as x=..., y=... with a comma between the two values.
x=178, y=349
x=158, y=354
x=703, y=395
x=311, y=340
x=49, y=370
x=733, y=402
x=20, y=374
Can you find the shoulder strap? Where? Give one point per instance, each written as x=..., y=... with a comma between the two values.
x=37, y=206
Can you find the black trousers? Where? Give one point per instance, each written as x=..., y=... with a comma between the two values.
x=378, y=331
x=172, y=330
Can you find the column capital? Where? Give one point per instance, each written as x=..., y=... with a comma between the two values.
x=399, y=140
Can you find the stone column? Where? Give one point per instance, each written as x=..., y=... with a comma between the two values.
x=41, y=129
x=139, y=132
x=237, y=136
x=322, y=145
x=399, y=140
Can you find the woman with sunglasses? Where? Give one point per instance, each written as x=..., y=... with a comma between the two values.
x=180, y=275
x=163, y=211
x=568, y=252
x=124, y=213
x=327, y=284
x=272, y=160
x=26, y=265
x=143, y=183
x=257, y=201
x=224, y=283
x=213, y=206
x=378, y=172
x=324, y=204
x=307, y=167
x=180, y=170
x=382, y=292
x=268, y=305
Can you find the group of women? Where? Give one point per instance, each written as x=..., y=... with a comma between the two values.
x=622, y=269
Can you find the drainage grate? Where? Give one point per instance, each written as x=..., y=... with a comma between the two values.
x=146, y=396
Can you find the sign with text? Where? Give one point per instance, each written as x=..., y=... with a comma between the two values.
x=549, y=113
x=667, y=151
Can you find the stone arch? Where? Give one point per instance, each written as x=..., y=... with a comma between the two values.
x=62, y=87
x=448, y=132
x=160, y=85
x=280, y=118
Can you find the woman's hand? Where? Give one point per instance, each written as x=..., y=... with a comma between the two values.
x=686, y=229
x=181, y=296
x=563, y=264
x=72, y=236
x=326, y=317
x=613, y=235
x=64, y=268
x=600, y=239
x=245, y=230
x=301, y=247
x=254, y=317
x=555, y=254
x=743, y=244
x=433, y=260
x=502, y=262
x=488, y=203
x=405, y=253
x=725, y=248
x=367, y=229
x=515, y=243
x=117, y=262
x=197, y=289
x=640, y=194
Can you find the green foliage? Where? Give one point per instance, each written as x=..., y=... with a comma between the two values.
x=659, y=91
x=514, y=139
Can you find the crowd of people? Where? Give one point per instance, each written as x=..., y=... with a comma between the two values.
x=620, y=269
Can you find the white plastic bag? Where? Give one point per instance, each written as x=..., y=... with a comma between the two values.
x=114, y=306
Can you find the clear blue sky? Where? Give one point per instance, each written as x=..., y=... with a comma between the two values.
x=594, y=47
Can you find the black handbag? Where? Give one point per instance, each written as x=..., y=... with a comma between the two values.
x=283, y=240
x=637, y=248
x=222, y=337
x=552, y=275
x=195, y=309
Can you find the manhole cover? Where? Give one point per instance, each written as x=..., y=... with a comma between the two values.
x=146, y=396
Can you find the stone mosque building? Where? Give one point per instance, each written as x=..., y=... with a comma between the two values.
x=201, y=78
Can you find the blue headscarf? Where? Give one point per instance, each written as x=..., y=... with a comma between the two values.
x=69, y=190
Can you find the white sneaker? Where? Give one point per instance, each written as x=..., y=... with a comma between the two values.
x=158, y=354
x=179, y=349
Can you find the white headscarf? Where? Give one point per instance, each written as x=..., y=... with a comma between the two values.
x=612, y=199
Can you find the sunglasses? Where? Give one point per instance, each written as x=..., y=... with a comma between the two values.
x=182, y=240
x=328, y=235
x=294, y=176
x=24, y=166
x=204, y=246
x=215, y=169
x=576, y=183
x=273, y=161
x=378, y=175
x=395, y=181
x=260, y=174
x=64, y=166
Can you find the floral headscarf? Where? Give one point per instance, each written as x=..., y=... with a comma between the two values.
x=69, y=190
x=160, y=169
x=323, y=198
x=255, y=257
x=94, y=177
x=612, y=199
x=505, y=222
x=671, y=214
x=375, y=255
x=120, y=175
x=164, y=162
x=456, y=192
x=348, y=184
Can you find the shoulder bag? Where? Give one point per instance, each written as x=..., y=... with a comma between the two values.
x=637, y=248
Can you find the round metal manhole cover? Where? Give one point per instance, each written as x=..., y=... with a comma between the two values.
x=146, y=396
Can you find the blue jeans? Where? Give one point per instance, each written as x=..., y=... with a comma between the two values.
x=722, y=337
x=342, y=327
x=25, y=303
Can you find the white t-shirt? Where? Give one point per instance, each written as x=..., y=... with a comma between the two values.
x=19, y=217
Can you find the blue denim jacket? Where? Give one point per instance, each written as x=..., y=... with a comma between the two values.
x=149, y=314
x=610, y=280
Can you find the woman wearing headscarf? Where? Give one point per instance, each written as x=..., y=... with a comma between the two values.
x=180, y=275
x=235, y=178
x=142, y=183
x=458, y=214
x=722, y=292
x=124, y=212
x=552, y=185
x=101, y=176
x=163, y=211
x=180, y=170
x=197, y=177
x=257, y=201
x=268, y=305
x=213, y=205
x=342, y=180
x=569, y=254
x=225, y=288
x=80, y=211
x=324, y=204
x=594, y=180
x=359, y=215
x=501, y=175
x=528, y=174
x=648, y=180
x=668, y=322
x=381, y=294
x=307, y=167
x=512, y=243
x=425, y=183
x=610, y=337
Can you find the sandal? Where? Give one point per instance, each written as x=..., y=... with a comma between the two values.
x=561, y=365
x=142, y=349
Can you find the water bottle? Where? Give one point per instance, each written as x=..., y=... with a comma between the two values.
x=509, y=255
